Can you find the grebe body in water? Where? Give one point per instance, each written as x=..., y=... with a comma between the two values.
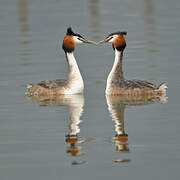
x=74, y=84
x=116, y=83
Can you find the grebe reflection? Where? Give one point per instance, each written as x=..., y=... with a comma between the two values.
x=75, y=104
x=116, y=107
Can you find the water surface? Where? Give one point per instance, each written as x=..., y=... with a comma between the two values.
x=79, y=137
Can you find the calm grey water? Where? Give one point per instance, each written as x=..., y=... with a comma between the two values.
x=75, y=137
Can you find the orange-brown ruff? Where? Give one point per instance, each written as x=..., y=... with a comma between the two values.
x=74, y=84
x=68, y=42
x=119, y=41
x=117, y=84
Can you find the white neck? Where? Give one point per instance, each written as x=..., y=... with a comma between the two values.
x=118, y=54
x=75, y=78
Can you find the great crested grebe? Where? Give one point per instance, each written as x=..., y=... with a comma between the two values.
x=74, y=84
x=116, y=83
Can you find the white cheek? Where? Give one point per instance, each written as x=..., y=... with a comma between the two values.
x=76, y=40
x=111, y=40
x=114, y=37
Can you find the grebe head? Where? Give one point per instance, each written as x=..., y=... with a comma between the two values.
x=117, y=39
x=71, y=39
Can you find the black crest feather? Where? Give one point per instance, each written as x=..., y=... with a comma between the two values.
x=70, y=32
x=124, y=33
x=119, y=32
